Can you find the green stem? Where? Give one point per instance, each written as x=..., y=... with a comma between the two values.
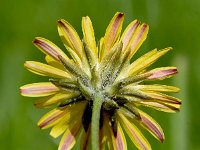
x=96, y=112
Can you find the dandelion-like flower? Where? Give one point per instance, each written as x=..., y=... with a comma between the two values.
x=96, y=90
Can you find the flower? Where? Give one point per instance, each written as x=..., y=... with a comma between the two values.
x=96, y=90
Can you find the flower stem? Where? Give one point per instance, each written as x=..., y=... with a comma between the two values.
x=96, y=113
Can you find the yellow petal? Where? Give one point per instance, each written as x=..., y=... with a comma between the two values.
x=53, y=117
x=112, y=33
x=157, y=88
x=55, y=99
x=88, y=34
x=133, y=132
x=62, y=126
x=45, y=70
x=160, y=97
x=70, y=37
x=145, y=61
x=38, y=89
x=151, y=125
x=138, y=38
x=72, y=116
x=49, y=48
x=120, y=139
x=165, y=107
x=128, y=33
x=69, y=138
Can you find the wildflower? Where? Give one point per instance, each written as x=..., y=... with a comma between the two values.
x=96, y=90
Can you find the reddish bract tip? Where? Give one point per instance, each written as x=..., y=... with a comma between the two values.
x=60, y=22
x=158, y=74
x=120, y=14
x=36, y=41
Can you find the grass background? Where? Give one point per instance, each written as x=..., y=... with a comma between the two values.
x=172, y=23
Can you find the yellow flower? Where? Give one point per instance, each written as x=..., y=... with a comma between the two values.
x=96, y=90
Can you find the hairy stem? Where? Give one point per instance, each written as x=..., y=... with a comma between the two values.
x=96, y=113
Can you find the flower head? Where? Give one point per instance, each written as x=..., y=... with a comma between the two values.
x=96, y=90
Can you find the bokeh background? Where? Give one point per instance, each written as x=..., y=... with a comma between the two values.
x=174, y=23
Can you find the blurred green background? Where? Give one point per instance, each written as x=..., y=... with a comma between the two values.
x=173, y=23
